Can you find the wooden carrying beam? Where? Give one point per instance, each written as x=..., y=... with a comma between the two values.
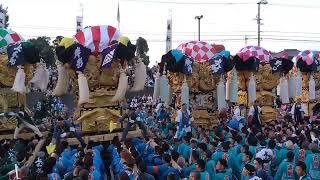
x=35, y=152
x=104, y=137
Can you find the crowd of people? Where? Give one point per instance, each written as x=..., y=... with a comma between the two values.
x=172, y=147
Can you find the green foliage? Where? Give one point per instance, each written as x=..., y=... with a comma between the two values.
x=142, y=50
x=46, y=50
x=5, y=11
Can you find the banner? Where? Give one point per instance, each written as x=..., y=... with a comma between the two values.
x=169, y=33
x=80, y=57
x=276, y=65
x=79, y=23
x=217, y=65
x=15, y=55
x=107, y=56
x=187, y=68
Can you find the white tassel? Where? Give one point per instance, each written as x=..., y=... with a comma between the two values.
x=312, y=88
x=83, y=88
x=40, y=79
x=292, y=85
x=284, y=91
x=278, y=88
x=156, y=89
x=299, y=84
x=63, y=81
x=19, y=81
x=140, y=77
x=163, y=87
x=252, y=96
x=185, y=93
x=167, y=100
x=122, y=87
x=233, y=97
x=125, y=88
x=228, y=84
x=221, y=95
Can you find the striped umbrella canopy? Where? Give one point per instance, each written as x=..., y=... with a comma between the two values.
x=97, y=38
x=8, y=37
x=197, y=50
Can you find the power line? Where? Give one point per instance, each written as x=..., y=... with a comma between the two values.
x=293, y=40
x=162, y=33
x=190, y=3
x=293, y=5
x=290, y=32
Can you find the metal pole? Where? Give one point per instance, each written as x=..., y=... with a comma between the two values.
x=259, y=23
x=199, y=18
x=198, y=29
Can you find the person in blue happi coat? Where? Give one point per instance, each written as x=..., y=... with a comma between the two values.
x=313, y=161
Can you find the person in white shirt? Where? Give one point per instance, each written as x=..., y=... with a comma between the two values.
x=237, y=113
x=184, y=121
x=254, y=115
x=297, y=111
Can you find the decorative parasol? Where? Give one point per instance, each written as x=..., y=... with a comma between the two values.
x=307, y=61
x=255, y=51
x=197, y=50
x=8, y=37
x=249, y=58
x=309, y=56
x=97, y=38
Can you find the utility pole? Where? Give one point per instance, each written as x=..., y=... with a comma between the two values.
x=79, y=19
x=199, y=18
x=259, y=18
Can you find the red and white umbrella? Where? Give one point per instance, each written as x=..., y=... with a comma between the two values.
x=309, y=56
x=255, y=51
x=97, y=38
x=197, y=50
x=8, y=37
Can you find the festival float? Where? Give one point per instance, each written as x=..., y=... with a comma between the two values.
x=307, y=77
x=19, y=66
x=96, y=61
x=186, y=74
x=256, y=81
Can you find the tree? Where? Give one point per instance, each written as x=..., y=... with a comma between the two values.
x=46, y=50
x=6, y=16
x=142, y=50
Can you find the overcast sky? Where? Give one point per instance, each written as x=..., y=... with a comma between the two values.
x=287, y=23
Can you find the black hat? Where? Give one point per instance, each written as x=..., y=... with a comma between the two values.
x=250, y=168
